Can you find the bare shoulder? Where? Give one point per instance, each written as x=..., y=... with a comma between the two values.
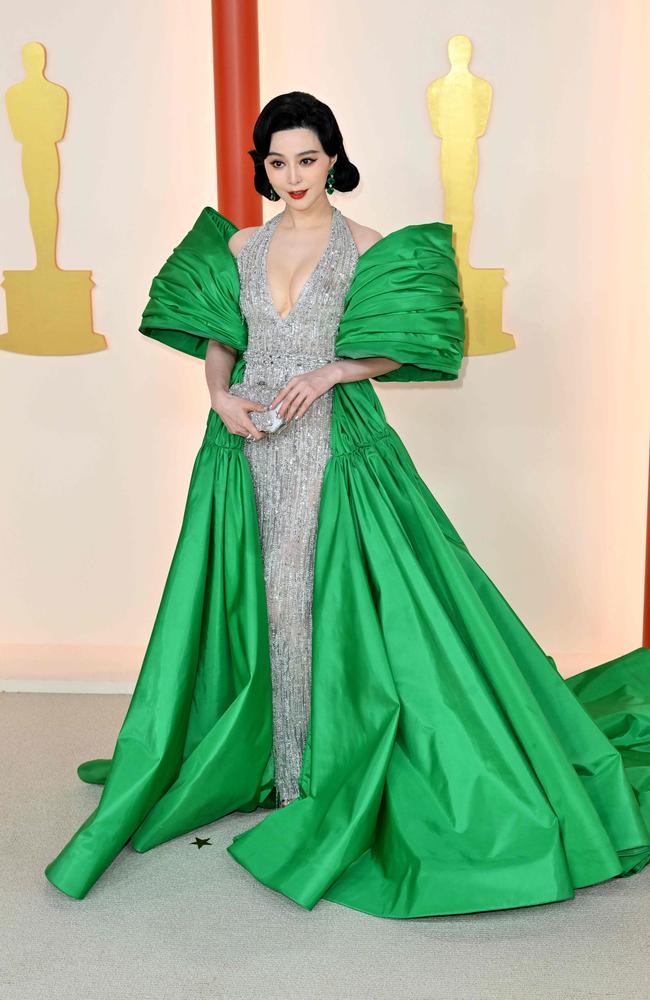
x=363, y=236
x=240, y=238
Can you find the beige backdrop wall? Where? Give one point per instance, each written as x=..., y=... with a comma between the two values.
x=539, y=455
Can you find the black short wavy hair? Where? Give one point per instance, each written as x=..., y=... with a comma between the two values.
x=298, y=109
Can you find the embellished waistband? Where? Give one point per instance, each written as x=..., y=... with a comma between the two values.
x=269, y=368
x=285, y=358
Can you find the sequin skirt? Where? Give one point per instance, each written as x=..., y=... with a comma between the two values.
x=287, y=469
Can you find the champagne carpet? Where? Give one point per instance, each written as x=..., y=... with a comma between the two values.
x=183, y=923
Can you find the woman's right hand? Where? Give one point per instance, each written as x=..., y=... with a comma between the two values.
x=234, y=411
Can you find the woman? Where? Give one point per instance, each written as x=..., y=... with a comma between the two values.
x=366, y=677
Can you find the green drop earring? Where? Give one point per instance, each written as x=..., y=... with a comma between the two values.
x=273, y=195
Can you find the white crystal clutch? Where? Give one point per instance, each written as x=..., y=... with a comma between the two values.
x=267, y=420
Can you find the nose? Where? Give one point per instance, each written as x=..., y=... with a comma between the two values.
x=294, y=176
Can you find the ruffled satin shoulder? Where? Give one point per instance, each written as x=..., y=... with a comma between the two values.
x=194, y=298
x=404, y=303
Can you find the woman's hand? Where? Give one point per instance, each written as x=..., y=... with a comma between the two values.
x=234, y=411
x=301, y=391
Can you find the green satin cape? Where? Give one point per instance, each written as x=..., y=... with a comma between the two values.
x=448, y=767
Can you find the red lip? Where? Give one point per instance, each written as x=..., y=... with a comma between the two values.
x=297, y=194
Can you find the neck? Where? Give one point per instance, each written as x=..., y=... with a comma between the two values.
x=320, y=214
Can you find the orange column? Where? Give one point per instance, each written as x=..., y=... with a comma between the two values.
x=236, y=105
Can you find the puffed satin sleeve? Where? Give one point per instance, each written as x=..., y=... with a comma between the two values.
x=404, y=303
x=194, y=298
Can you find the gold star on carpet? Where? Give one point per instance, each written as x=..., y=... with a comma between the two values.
x=201, y=843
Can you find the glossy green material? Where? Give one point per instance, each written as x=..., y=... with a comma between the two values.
x=449, y=768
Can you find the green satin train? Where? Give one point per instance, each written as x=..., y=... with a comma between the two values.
x=449, y=768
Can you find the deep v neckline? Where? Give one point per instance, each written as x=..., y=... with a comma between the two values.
x=267, y=287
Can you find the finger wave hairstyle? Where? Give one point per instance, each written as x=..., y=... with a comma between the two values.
x=300, y=110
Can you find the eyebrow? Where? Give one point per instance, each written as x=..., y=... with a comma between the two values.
x=271, y=153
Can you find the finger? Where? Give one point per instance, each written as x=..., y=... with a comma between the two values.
x=304, y=397
x=291, y=396
x=279, y=397
x=248, y=427
x=303, y=409
x=254, y=433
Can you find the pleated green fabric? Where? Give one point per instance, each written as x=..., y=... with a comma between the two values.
x=194, y=298
x=449, y=768
x=404, y=303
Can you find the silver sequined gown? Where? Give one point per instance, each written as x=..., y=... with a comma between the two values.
x=287, y=467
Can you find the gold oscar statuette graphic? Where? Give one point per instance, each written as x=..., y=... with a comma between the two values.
x=459, y=108
x=49, y=310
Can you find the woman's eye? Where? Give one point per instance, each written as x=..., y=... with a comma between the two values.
x=279, y=163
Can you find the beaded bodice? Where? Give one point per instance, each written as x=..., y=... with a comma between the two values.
x=279, y=347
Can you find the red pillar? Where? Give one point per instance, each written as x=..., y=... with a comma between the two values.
x=237, y=105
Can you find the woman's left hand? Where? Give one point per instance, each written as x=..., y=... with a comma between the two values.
x=301, y=391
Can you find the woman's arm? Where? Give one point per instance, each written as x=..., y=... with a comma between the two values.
x=355, y=369
x=301, y=390
x=233, y=410
x=219, y=361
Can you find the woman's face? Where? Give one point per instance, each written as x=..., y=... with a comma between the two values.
x=297, y=162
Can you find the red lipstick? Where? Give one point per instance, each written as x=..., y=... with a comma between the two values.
x=298, y=194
